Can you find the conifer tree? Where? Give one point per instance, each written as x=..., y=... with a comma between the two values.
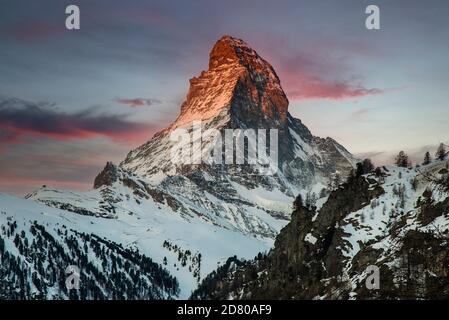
x=441, y=152
x=427, y=158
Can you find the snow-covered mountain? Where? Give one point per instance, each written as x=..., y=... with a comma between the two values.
x=396, y=219
x=241, y=90
x=190, y=218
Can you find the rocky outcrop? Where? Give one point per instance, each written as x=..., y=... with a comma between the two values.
x=107, y=176
x=325, y=254
x=297, y=264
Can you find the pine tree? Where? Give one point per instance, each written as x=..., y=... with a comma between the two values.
x=298, y=203
x=414, y=183
x=441, y=152
x=323, y=193
x=378, y=172
x=402, y=160
x=310, y=199
x=364, y=167
x=427, y=158
x=359, y=170
x=335, y=181
x=368, y=166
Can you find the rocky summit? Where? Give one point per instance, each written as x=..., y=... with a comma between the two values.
x=241, y=90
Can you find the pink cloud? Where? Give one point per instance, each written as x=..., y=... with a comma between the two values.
x=301, y=88
x=138, y=102
x=309, y=77
x=315, y=70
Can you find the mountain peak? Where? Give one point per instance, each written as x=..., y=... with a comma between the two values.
x=228, y=49
x=240, y=90
x=239, y=81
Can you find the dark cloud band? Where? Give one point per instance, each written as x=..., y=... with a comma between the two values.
x=19, y=118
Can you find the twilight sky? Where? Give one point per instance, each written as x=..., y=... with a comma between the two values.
x=72, y=100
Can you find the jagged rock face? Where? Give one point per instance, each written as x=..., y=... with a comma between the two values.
x=220, y=210
x=107, y=176
x=398, y=222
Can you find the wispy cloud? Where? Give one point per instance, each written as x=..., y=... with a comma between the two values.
x=138, y=102
x=308, y=76
x=363, y=114
x=313, y=88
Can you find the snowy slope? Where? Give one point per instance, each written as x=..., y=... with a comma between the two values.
x=147, y=226
x=385, y=222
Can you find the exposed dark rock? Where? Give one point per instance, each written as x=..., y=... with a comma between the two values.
x=107, y=176
x=430, y=211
